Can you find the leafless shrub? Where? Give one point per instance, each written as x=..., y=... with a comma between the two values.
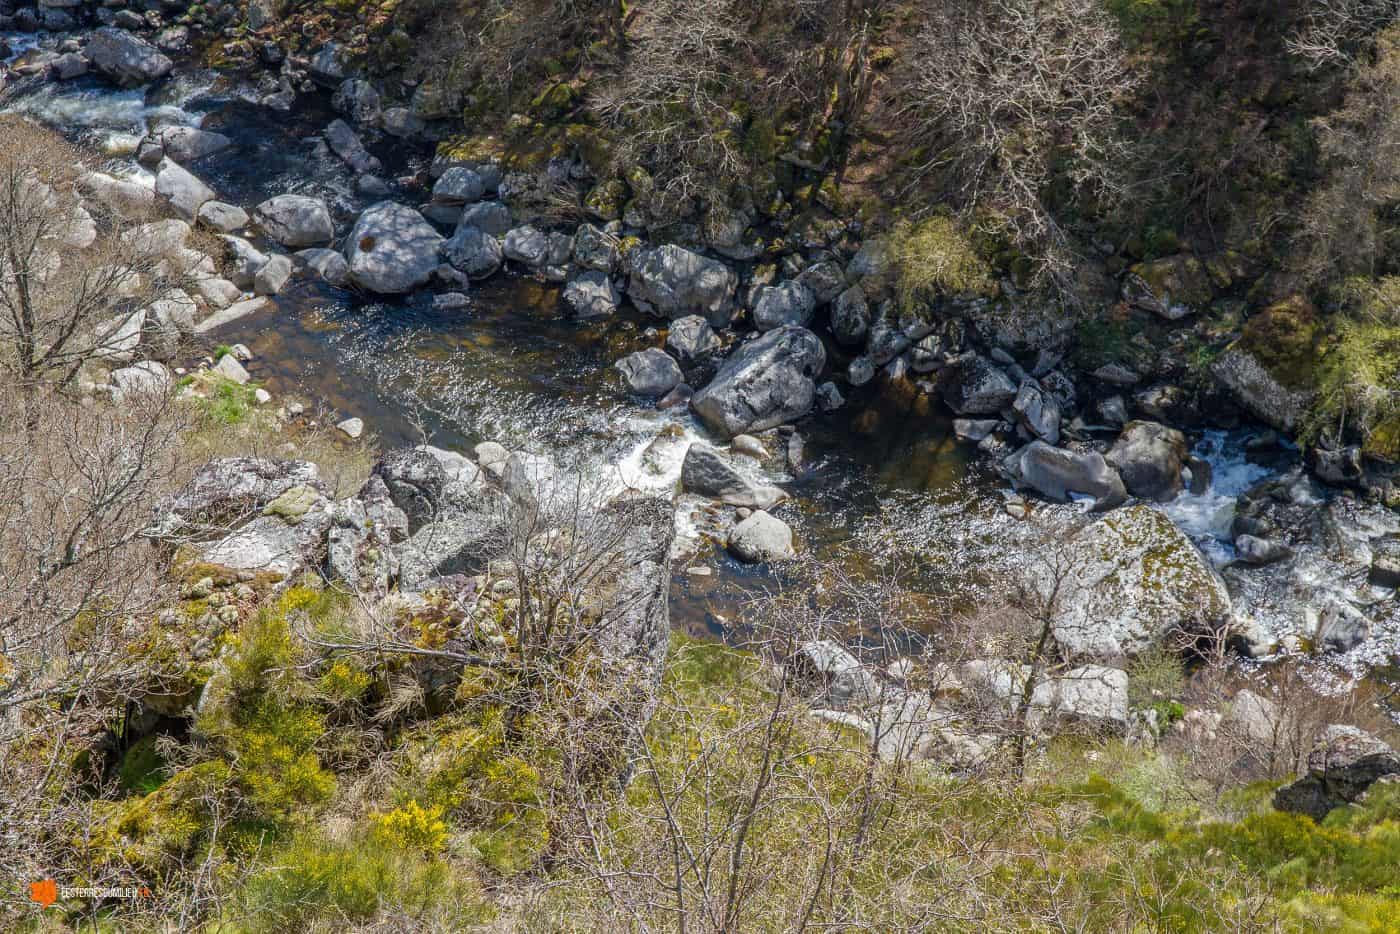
x=1332, y=31
x=1010, y=98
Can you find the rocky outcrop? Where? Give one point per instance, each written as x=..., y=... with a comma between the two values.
x=226, y=490
x=392, y=249
x=1343, y=764
x=765, y=383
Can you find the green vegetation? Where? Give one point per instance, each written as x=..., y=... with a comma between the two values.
x=934, y=257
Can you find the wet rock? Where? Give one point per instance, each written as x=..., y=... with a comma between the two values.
x=761, y=538
x=1134, y=580
x=765, y=383
x=673, y=282
x=296, y=220
x=187, y=143
x=326, y=263
x=224, y=218
x=1259, y=551
x=972, y=385
x=392, y=249
x=1343, y=764
x=185, y=193
x=591, y=295
x=126, y=59
x=273, y=275
x=1339, y=468
x=1149, y=457
x=474, y=251
x=346, y=144
x=789, y=303
x=1385, y=564
x=244, y=260
x=650, y=372
x=706, y=472
x=1056, y=472
x=1037, y=412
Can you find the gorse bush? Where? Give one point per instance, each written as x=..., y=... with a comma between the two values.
x=933, y=258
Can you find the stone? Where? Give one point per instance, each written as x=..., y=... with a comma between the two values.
x=1134, y=581
x=860, y=371
x=352, y=428
x=187, y=143
x=831, y=676
x=972, y=385
x=458, y=185
x=765, y=383
x=1342, y=766
x=829, y=397
x=185, y=193
x=1116, y=374
x=358, y=100
x=295, y=220
x=326, y=263
x=146, y=377
x=824, y=280
x=1055, y=473
x=121, y=196
x=1258, y=391
x=392, y=249
x=70, y=65
x=1260, y=551
x=219, y=293
x=973, y=430
x=761, y=538
x=474, y=251
x=1037, y=412
x=1091, y=696
x=265, y=545
x=1150, y=457
x=650, y=372
x=594, y=249
x=850, y=317
x=706, y=472
x=692, y=341
x=416, y=479
x=491, y=216
x=231, y=314
x=749, y=446
x=526, y=245
x=673, y=282
x=401, y=122
x=346, y=144
x=229, y=368
x=228, y=488
x=789, y=303
x=1171, y=288
x=126, y=59
x=591, y=295
x=224, y=218
x=273, y=275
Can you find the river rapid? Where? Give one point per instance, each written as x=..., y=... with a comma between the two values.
x=881, y=474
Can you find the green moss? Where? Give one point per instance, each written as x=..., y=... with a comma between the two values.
x=932, y=258
x=158, y=831
x=1284, y=339
x=228, y=403
x=555, y=101
x=142, y=769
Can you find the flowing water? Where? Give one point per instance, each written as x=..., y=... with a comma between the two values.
x=884, y=471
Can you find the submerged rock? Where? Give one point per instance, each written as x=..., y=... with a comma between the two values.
x=705, y=472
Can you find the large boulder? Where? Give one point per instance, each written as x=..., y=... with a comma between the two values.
x=1149, y=457
x=672, y=282
x=650, y=372
x=1342, y=765
x=296, y=220
x=789, y=303
x=1055, y=473
x=126, y=59
x=228, y=489
x=1128, y=582
x=1037, y=411
x=1171, y=288
x=187, y=143
x=828, y=674
x=765, y=383
x=415, y=479
x=185, y=193
x=706, y=472
x=973, y=385
x=392, y=249
x=1271, y=368
x=1258, y=391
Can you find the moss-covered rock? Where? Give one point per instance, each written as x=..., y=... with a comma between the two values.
x=1171, y=288
x=1271, y=370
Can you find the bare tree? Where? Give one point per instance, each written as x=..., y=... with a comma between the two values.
x=1009, y=98
x=1333, y=31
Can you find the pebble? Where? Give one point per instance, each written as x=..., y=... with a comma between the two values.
x=262, y=396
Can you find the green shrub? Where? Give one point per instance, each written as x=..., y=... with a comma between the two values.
x=934, y=257
x=227, y=402
x=142, y=769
